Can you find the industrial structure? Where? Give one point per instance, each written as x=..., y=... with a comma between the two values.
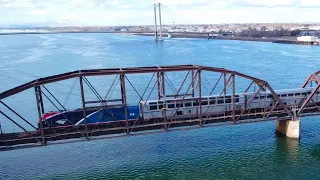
x=252, y=90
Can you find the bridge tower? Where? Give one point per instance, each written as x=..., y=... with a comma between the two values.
x=157, y=38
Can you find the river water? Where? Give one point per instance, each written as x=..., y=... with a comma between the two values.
x=249, y=151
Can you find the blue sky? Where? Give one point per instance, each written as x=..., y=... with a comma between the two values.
x=140, y=12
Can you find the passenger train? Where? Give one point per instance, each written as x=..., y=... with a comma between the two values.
x=178, y=108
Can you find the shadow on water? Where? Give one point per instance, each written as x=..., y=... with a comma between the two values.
x=287, y=150
x=315, y=152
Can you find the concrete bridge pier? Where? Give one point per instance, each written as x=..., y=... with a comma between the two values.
x=210, y=35
x=291, y=127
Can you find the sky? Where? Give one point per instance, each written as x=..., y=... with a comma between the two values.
x=140, y=12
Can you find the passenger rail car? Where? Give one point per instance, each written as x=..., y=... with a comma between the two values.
x=216, y=105
x=180, y=108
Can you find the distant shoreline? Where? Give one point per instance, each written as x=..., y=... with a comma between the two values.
x=204, y=36
x=60, y=32
x=181, y=35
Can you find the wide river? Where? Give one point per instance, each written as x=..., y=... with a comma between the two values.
x=250, y=151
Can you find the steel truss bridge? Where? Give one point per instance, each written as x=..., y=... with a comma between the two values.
x=192, y=81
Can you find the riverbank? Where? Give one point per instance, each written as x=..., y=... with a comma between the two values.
x=205, y=36
x=175, y=35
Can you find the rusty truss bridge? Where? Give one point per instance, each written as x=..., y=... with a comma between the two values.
x=163, y=83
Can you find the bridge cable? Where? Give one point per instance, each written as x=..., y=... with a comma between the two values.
x=169, y=10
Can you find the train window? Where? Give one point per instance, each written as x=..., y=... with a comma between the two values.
x=257, y=97
x=304, y=94
x=309, y=92
x=297, y=94
x=236, y=98
x=153, y=108
x=179, y=113
x=190, y=111
x=187, y=104
x=290, y=94
x=170, y=105
x=195, y=103
x=204, y=103
x=269, y=96
x=212, y=97
x=179, y=105
x=228, y=100
x=212, y=101
x=161, y=106
x=220, y=101
x=152, y=103
x=262, y=97
x=283, y=95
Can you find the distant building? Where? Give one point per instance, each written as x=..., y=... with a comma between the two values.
x=124, y=29
x=307, y=34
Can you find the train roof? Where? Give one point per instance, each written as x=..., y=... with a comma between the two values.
x=295, y=90
x=282, y=91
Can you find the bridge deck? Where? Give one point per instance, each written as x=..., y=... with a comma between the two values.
x=116, y=128
x=277, y=110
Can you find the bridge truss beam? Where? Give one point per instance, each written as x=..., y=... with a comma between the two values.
x=194, y=83
x=313, y=78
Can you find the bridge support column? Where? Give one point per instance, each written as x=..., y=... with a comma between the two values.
x=289, y=128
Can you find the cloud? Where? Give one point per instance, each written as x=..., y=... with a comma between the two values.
x=310, y=3
x=17, y=4
x=183, y=2
x=228, y=3
x=219, y=4
x=116, y=12
x=263, y=3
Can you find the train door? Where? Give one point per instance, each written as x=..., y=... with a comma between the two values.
x=245, y=101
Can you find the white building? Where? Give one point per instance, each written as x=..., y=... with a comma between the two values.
x=309, y=35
